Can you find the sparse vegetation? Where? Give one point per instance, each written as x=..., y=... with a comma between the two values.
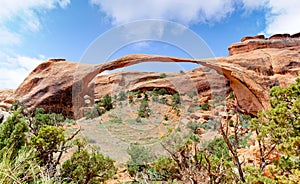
x=32, y=145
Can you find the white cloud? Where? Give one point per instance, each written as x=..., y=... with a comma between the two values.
x=9, y=38
x=250, y=5
x=18, y=17
x=27, y=13
x=15, y=69
x=153, y=29
x=283, y=17
x=182, y=11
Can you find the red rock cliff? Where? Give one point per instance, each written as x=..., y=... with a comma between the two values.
x=255, y=65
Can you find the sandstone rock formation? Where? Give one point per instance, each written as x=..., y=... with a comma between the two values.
x=49, y=86
x=250, y=43
x=254, y=66
x=183, y=83
x=6, y=99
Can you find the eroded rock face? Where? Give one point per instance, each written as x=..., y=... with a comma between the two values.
x=198, y=80
x=6, y=99
x=60, y=86
x=250, y=43
x=49, y=86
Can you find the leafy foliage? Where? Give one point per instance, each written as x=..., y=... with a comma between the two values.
x=139, y=157
x=21, y=167
x=278, y=130
x=32, y=145
x=48, y=142
x=88, y=167
x=13, y=133
x=107, y=102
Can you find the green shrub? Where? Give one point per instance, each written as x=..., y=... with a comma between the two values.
x=144, y=110
x=205, y=106
x=122, y=96
x=116, y=120
x=13, y=133
x=139, y=157
x=175, y=99
x=155, y=97
x=163, y=75
x=107, y=102
x=139, y=94
x=95, y=112
x=138, y=120
x=192, y=94
x=162, y=100
x=88, y=167
x=162, y=91
x=166, y=118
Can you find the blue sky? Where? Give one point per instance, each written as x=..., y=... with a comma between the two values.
x=31, y=31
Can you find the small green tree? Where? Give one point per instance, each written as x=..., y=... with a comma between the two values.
x=140, y=156
x=175, y=99
x=13, y=133
x=144, y=110
x=40, y=119
x=107, y=102
x=48, y=142
x=87, y=167
x=278, y=130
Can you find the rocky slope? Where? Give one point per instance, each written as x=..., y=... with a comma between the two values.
x=182, y=82
x=60, y=86
x=6, y=98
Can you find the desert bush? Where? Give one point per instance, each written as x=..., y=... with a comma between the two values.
x=205, y=106
x=278, y=130
x=87, y=167
x=107, y=102
x=122, y=96
x=163, y=75
x=32, y=146
x=144, y=109
x=162, y=91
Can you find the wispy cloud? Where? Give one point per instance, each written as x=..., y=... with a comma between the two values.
x=186, y=12
x=9, y=38
x=14, y=69
x=18, y=16
x=281, y=15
